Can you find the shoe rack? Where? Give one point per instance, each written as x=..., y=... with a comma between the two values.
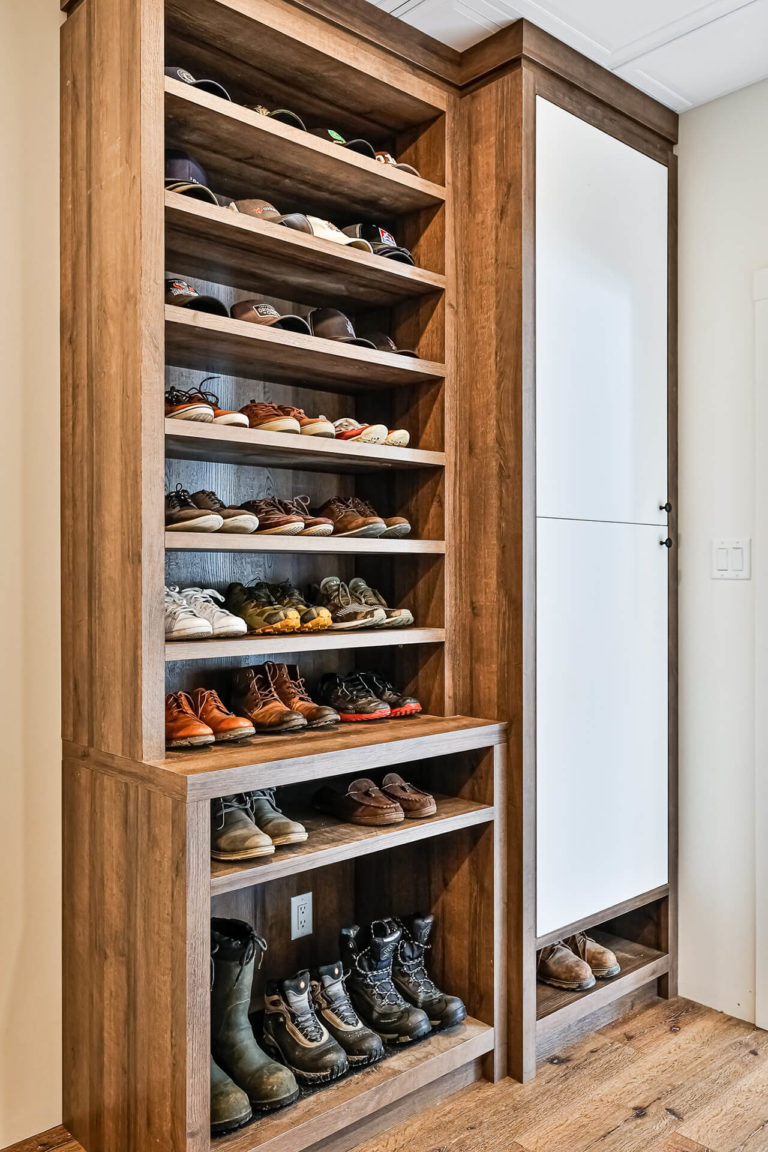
x=139, y=885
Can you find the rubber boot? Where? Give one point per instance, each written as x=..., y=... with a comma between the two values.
x=411, y=978
x=230, y=1106
x=233, y=1045
x=368, y=957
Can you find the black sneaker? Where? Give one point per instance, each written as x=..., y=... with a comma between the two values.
x=411, y=978
x=334, y=1009
x=293, y=1033
x=399, y=705
x=352, y=698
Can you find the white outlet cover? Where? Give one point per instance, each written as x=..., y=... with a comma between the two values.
x=732, y=558
x=301, y=916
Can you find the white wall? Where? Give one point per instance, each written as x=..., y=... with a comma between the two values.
x=30, y=880
x=723, y=240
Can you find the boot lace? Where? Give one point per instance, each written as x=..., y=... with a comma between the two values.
x=379, y=982
x=227, y=804
x=267, y=794
x=202, y=602
x=341, y=1004
x=255, y=941
x=179, y=703
x=179, y=499
x=416, y=971
x=177, y=608
x=307, y=1022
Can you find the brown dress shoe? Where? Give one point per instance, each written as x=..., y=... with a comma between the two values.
x=601, y=960
x=394, y=526
x=292, y=691
x=414, y=803
x=223, y=723
x=349, y=521
x=362, y=803
x=273, y=521
x=254, y=696
x=559, y=966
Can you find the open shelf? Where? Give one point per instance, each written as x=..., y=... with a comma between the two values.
x=311, y=545
x=209, y=343
x=360, y=1094
x=216, y=244
x=333, y=840
x=297, y=642
x=247, y=154
x=227, y=444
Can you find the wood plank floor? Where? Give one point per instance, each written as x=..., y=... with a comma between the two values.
x=673, y=1077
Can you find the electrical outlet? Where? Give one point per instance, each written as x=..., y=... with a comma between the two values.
x=301, y=916
x=732, y=559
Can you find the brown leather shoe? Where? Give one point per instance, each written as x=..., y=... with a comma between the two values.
x=349, y=521
x=414, y=803
x=292, y=691
x=183, y=729
x=269, y=417
x=559, y=966
x=313, y=525
x=253, y=696
x=223, y=723
x=362, y=803
x=394, y=526
x=273, y=521
x=601, y=960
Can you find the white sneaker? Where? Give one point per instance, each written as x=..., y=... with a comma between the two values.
x=202, y=601
x=398, y=438
x=181, y=622
x=349, y=429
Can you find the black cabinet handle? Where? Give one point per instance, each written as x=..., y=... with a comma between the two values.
x=666, y=543
x=665, y=507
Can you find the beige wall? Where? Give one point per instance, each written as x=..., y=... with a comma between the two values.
x=30, y=880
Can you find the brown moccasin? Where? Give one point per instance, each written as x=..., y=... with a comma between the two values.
x=415, y=803
x=559, y=966
x=362, y=803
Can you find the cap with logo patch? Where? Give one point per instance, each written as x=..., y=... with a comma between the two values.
x=183, y=295
x=211, y=86
x=388, y=158
x=181, y=168
x=282, y=115
x=333, y=137
x=330, y=324
x=259, y=312
x=381, y=241
x=259, y=209
x=324, y=230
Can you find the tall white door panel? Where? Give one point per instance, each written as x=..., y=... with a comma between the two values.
x=601, y=324
x=601, y=712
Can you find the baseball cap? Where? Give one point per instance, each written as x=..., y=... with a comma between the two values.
x=330, y=324
x=259, y=312
x=196, y=191
x=260, y=209
x=180, y=167
x=334, y=137
x=381, y=241
x=283, y=115
x=183, y=295
x=388, y=158
x=384, y=343
x=323, y=229
x=211, y=86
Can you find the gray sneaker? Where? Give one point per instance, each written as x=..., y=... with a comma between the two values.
x=372, y=598
x=347, y=613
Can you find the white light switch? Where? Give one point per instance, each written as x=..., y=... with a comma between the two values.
x=732, y=559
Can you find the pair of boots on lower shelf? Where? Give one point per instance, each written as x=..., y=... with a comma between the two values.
x=575, y=963
x=314, y=1027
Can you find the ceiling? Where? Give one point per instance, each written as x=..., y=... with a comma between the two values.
x=682, y=52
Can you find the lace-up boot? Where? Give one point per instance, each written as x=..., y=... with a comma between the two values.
x=292, y=690
x=410, y=975
x=261, y=612
x=293, y=1032
x=601, y=960
x=272, y=822
x=313, y=618
x=557, y=965
x=254, y=696
x=233, y=1045
x=334, y=1009
x=223, y=723
x=235, y=834
x=368, y=957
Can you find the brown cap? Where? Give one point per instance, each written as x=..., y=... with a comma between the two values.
x=330, y=324
x=384, y=343
x=261, y=209
x=259, y=312
x=183, y=295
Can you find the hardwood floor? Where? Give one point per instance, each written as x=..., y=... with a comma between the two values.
x=673, y=1077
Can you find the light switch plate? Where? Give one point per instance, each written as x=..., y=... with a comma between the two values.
x=732, y=559
x=301, y=916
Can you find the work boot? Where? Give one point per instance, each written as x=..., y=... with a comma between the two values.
x=601, y=960
x=292, y=691
x=411, y=978
x=254, y=696
x=334, y=1009
x=272, y=822
x=368, y=957
x=559, y=966
x=234, y=833
x=233, y=1044
x=230, y=1107
x=293, y=1032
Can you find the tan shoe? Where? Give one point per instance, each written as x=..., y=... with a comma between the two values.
x=559, y=966
x=272, y=822
x=234, y=834
x=601, y=960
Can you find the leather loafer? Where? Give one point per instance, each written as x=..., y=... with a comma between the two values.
x=414, y=803
x=362, y=803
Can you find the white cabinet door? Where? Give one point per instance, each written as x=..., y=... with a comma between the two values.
x=601, y=709
x=601, y=324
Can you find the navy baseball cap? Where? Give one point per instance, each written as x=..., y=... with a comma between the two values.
x=180, y=168
x=211, y=86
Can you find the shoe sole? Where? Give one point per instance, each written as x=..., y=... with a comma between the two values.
x=408, y=710
x=291, y=838
x=363, y=821
x=321, y=431
x=283, y=530
x=231, y=1125
x=281, y=730
x=340, y=627
x=322, y=530
x=229, y=737
x=422, y=814
x=230, y=634
x=376, y=434
x=568, y=985
x=235, y=419
x=273, y=1048
x=397, y=441
x=207, y=523
x=356, y=717
x=398, y=531
x=398, y=622
x=252, y=854
x=364, y=1061
x=276, y=1105
x=201, y=412
x=444, y=1025
x=190, y=742
x=240, y=524
x=322, y=724
x=395, y=1039
x=367, y=530
x=606, y=973
x=276, y=629
x=284, y=425
x=192, y=634
x=319, y=624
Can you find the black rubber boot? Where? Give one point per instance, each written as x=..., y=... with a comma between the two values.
x=334, y=1009
x=368, y=956
x=230, y=1106
x=411, y=978
x=233, y=1045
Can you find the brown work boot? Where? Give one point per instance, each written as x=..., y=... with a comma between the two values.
x=292, y=691
x=601, y=960
x=559, y=966
x=223, y=723
x=349, y=521
x=254, y=696
x=183, y=728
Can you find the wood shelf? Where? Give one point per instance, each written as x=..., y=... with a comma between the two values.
x=333, y=840
x=309, y=545
x=209, y=343
x=247, y=154
x=227, y=444
x=216, y=244
x=301, y=642
x=320, y=1114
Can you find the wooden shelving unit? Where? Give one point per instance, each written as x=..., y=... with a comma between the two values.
x=310, y=545
x=329, y=641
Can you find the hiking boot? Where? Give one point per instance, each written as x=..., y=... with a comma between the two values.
x=415, y=803
x=309, y=425
x=291, y=689
x=254, y=696
x=183, y=727
x=261, y=612
x=178, y=406
x=346, y=612
x=313, y=525
x=234, y=833
x=557, y=965
x=372, y=598
x=203, y=602
x=273, y=521
x=394, y=526
x=352, y=698
x=333, y=1008
x=349, y=521
x=230, y=1106
x=362, y=803
x=601, y=960
x=399, y=705
x=293, y=1032
x=182, y=621
x=233, y=1045
x=182, y=515
x=368, y=957
x=224, y=724
x=269, y=417
x=220, y=415
x=271, y=820
x=313, y=618
x=414, y=982
x=235, y=519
